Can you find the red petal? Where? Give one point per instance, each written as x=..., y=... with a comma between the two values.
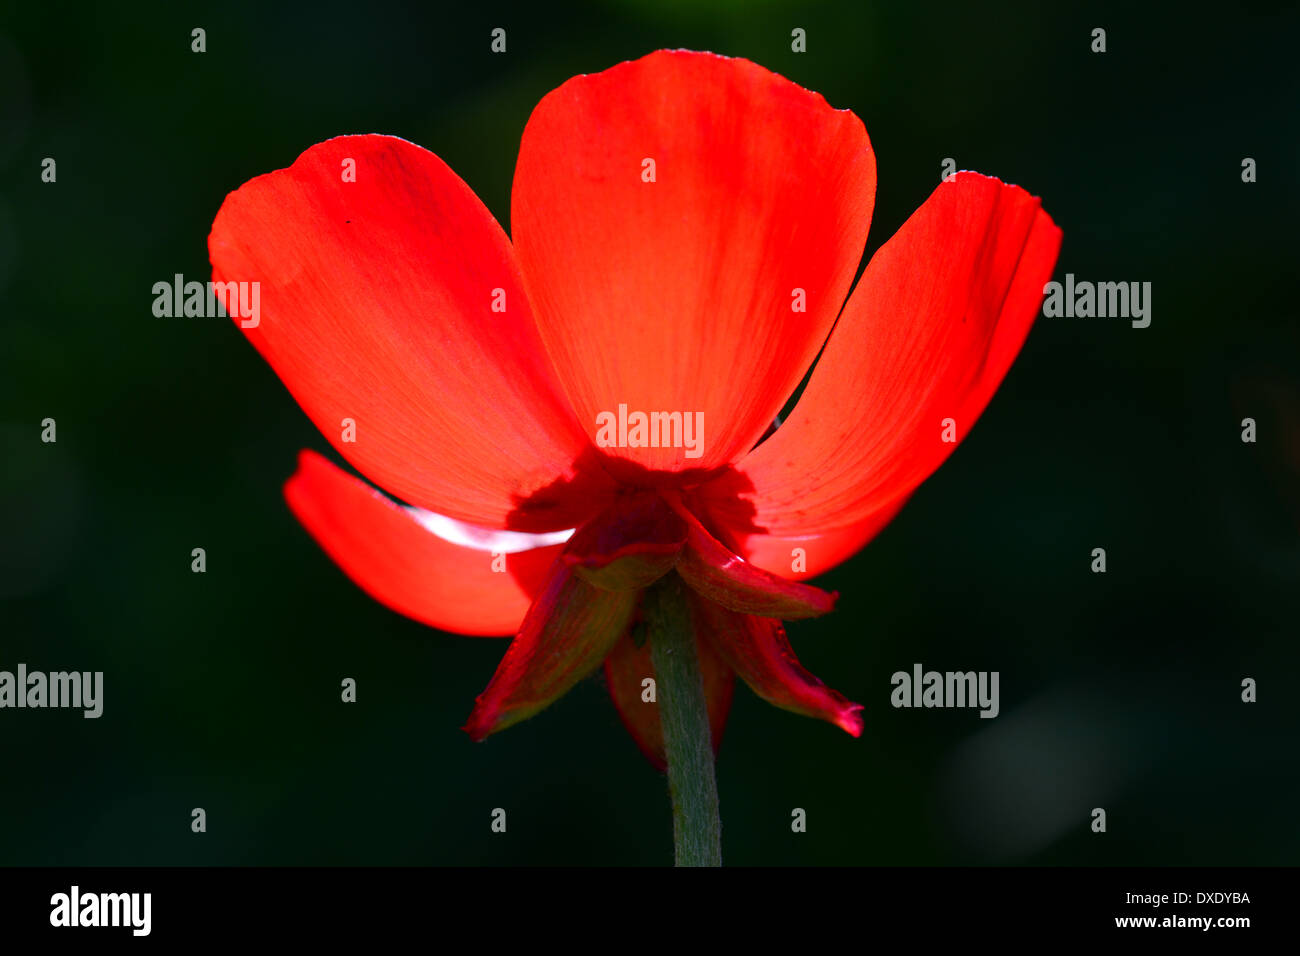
x=817, y=553
x=630, y=545
x=756, y=647
x=386, y=551
x=569, y=630
x=727, y=579
x=628, y=665
x=676, y=295
x=927, y=335
x=376, y=306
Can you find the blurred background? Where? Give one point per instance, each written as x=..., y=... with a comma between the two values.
x=1119, y=690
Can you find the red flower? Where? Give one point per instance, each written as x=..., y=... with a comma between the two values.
x=686, y=230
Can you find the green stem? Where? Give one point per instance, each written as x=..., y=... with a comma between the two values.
x=684, y=714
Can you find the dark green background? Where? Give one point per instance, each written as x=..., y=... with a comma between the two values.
x=222, y=690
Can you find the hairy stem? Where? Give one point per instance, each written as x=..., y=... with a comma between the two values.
x=684, y=714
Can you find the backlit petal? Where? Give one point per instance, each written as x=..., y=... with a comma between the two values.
x=391, y=554
x=376, y=309
x=682, y=294
x=925, y=340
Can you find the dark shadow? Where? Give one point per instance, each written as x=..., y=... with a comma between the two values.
x=600, y=479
